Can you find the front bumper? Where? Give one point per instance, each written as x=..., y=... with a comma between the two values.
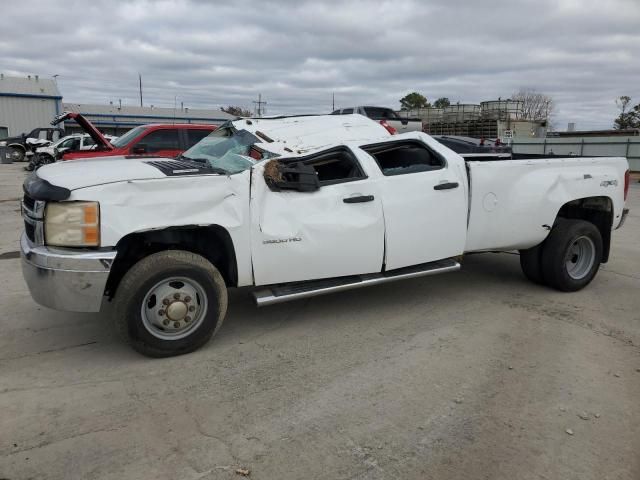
x=64, y=278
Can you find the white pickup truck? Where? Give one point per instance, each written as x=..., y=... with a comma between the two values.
x=389, y=119
x=295, y=207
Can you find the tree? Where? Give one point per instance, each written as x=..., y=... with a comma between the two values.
x=535, y=105
x=413, y=100
x=237, y=111
x=629, y=117
x=442, y=102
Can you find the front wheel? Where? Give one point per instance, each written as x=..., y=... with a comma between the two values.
x=17, y=154
x=571, y=255
x=170, y=303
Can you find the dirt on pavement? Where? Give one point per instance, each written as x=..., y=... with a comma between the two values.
x=471, y=375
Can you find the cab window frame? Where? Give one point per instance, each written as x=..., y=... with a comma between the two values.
x=328, y=155
x=377, y=148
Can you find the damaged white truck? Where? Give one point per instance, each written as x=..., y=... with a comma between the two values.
x=296, y=207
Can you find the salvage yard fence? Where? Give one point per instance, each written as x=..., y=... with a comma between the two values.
x=613, y=146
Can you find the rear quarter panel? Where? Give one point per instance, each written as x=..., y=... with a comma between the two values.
x=513, y=203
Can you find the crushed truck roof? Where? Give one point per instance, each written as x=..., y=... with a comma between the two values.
x=302, y=134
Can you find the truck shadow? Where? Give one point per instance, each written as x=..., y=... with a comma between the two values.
x=481, y=276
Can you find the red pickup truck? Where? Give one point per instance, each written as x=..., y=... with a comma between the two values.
x=159, y=140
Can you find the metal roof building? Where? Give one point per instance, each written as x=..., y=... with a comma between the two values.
x=115, y=120
x=27, y=103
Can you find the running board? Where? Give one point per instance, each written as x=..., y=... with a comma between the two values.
x=293, y=291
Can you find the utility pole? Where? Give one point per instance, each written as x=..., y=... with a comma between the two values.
x=258, y=108
x=333, y=102
x=140, y=85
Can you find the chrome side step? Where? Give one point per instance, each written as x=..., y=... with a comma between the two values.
x=293, y=291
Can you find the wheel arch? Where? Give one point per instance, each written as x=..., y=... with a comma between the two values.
x=17, y=145
x=597, y=210
x=213, y=242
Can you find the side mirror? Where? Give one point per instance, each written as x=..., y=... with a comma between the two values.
x=291, y=176
x=139, y=149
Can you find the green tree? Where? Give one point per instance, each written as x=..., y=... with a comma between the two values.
x=442, y=102
x=629, y=117
x=413, y=100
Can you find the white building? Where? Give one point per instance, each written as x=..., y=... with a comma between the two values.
x=27, y=103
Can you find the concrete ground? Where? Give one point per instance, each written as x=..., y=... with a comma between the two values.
x=472, y=375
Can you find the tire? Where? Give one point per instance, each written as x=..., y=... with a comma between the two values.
x=40, y=160
x=17, y=154
x=170, y=303
x=531, y=264
x=571, y=255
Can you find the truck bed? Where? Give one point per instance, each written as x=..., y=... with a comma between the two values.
x=513, y=203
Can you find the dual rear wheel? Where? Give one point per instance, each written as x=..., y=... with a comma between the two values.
x=568, y=259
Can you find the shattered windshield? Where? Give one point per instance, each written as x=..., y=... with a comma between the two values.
x=224, y=149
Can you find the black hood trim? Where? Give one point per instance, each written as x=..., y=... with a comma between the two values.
x=39, y=189
x=174, y=168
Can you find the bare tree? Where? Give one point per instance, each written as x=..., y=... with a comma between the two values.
x=535, y=105
x=623, y=102
x=237, y=111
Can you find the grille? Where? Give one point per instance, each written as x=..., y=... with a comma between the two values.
x=29, y=202
x=30, y=230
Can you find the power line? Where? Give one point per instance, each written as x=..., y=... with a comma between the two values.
x=258, y=106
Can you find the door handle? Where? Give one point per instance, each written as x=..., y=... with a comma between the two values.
x=446, y=186
x=360, y=199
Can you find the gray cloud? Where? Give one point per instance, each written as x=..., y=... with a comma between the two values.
x=297, y=53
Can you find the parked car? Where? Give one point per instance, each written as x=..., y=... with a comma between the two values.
x=297, y=207
x=470, y=147
x=389, y=119
x=160, y=140
x=76, y=142
x=22, y=146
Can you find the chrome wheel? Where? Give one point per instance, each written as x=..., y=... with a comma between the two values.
x=580, y=258
x=16, y=155
x=173, y=308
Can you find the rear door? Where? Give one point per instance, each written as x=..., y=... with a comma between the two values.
x=335, y=231
x=161, y=142
x=424, y=198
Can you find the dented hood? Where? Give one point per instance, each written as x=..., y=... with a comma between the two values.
x=87, y=126
x=98, y=171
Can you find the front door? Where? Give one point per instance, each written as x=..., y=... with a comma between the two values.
x=335, y=231
x=163, y=142
x=424, y=201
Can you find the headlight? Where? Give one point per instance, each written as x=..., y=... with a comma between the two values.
x=3, y=144
x=72, y=224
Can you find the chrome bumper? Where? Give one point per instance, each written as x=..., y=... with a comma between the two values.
x=64, y=278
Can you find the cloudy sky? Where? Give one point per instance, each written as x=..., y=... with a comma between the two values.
x=584, y=53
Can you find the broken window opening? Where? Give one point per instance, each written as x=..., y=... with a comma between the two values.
x=328, y=168
x=404, y=158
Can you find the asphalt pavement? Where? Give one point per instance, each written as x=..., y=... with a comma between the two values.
x=470, y=375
